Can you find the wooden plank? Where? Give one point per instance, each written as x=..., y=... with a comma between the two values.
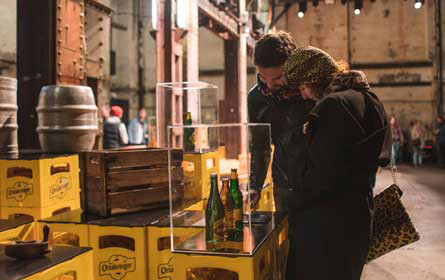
x=116, y=180
x=138, y=198
x=119, y=159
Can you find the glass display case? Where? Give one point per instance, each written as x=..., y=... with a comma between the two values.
x=211, y=209
x=184, y=103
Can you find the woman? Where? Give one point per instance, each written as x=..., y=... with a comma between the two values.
x=346, y=132
x=417, y=138
x=397, y=140
x=440, y=140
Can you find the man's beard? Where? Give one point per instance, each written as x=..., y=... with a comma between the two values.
x=282, y=93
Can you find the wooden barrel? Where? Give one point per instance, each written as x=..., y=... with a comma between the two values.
x=67, y=119
x=8, y=117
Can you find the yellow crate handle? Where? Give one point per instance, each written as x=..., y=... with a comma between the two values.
x=59, y=168
x=19, y=172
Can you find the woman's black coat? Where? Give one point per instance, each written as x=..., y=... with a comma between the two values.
x=331, y=212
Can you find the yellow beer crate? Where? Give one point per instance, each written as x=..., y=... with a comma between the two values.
x=120, y=245
x=197, y=168
x=259, y=266
x=38, y=180
x=21, y=228
x=161, y=260
x=40, y=213
x=62, y=263
x=68, y=228
x=281, y=249
x=267, y=202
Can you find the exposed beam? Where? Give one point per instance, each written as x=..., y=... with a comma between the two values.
x=283, y=12
x=219, y=17
x=386, y=65
x=403, y=84
x=221, y=72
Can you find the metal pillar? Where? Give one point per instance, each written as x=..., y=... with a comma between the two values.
x=35, y=35
x=169, y=69
x=439, y=59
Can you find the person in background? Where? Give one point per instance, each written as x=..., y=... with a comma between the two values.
x=440, y=140
x=397, y=140
x=417, y=140
x=115, y=132
x=138, y=129
x=347, y=137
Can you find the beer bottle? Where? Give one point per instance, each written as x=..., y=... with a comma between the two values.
x=189, y=134
x=227, y=201
x=214, y=217
x=238, y=206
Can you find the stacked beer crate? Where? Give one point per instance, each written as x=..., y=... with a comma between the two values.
x=122, y=193
x=38, y=185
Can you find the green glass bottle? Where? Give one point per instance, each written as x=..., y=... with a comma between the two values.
x=214, y=217
x=228, y=203
x=238, y=206
x=189, y=134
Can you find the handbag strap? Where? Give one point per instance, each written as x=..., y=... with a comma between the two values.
x=393, y=173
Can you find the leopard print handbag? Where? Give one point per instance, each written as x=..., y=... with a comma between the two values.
x=392, y=227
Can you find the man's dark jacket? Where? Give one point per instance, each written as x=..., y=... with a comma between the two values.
x=286, y=119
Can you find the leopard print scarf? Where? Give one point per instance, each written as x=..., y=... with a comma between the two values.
x=351, y=79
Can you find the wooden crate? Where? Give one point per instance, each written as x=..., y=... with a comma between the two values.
x=116, y=181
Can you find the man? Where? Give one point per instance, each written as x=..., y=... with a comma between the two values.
x=270, y=101
x=115, y=133
x=138, y=129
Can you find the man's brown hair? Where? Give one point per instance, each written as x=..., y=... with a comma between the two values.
x=273, y=49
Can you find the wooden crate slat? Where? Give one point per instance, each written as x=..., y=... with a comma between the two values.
x=131, y=199
x=127, y=158
x=116, y=180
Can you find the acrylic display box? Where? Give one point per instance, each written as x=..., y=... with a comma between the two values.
x=221, y=150
x=174, y=100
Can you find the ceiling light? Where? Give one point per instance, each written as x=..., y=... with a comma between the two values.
x=418, y=4
x=358, y=5
x=303, y=8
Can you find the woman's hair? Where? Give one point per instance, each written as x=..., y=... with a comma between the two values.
x=272, y=50
x=319, y=89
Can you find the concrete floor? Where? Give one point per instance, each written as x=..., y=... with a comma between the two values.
x=424, y=198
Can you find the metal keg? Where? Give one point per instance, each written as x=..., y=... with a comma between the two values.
x=8, y=117
x=67, y=119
